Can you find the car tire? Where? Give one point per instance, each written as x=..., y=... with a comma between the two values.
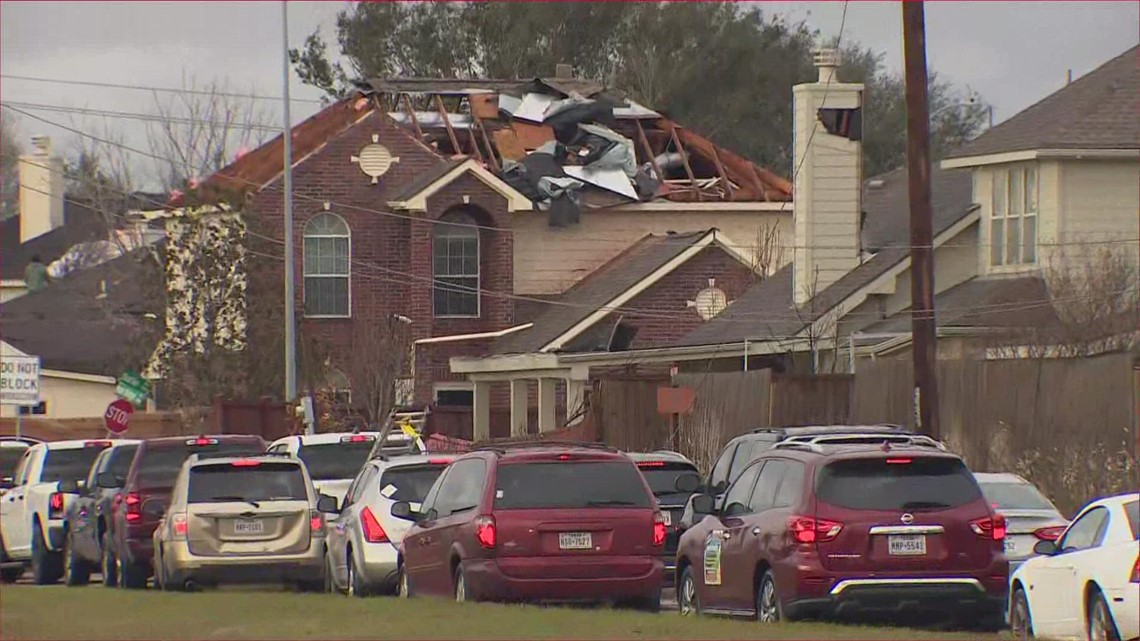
x=1100, y=626
x=47, y=566
x=403, y=585
x=460, y=586
x=688, y=603
x=768, y=607
x=110, y=569
x=357, y=585
x=1020, y=619
x=75, y=571
x=131, y=575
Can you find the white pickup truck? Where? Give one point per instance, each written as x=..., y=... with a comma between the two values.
x=32, y=510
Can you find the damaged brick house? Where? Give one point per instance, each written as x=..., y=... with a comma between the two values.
x=473, y=208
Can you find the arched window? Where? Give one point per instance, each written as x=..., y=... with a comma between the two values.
x=455, y=266
x=328, y=254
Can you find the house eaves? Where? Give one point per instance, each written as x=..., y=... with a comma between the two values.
x=417, y=201
x=1039, y=154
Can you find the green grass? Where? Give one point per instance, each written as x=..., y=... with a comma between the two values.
x=29, y=612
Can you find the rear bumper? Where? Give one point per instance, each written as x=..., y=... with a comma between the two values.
x=182, y=565
x=950, y=595
x=379, y=566
x=486, y=581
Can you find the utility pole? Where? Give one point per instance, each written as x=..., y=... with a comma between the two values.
x=921, y=219
x=287, y=184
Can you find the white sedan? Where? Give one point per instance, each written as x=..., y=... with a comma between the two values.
x=1086, y=585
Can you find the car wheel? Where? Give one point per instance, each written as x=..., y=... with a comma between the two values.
x=403, y=587
x=110, y=564
x=357, y=586
x=460, y=586
x=1020, y=620
x=687, y=602
x=131, y=576
x=76, y=571
x=1101, y=626
x=47, y=566
x=768, y=608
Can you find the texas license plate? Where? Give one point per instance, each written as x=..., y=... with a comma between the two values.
x=575, y=541
x=249, y=527
x=906, y=544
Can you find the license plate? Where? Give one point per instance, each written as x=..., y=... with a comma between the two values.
x=575, y=541
x=906, y=544
x=668, y=518
x=249, y=527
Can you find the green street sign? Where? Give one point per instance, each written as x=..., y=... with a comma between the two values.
x=133, y=388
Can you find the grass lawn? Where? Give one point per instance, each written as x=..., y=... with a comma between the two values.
x=57, y=612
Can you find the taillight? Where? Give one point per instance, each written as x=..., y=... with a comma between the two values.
x=439, y=461
x=134, y=507
x=97, y=444
x=485, y=531
x=316, y=523
x=55, y=505
x=245, y=463
x=373, y=531
x=658, y=529
x=991, y=527
x=898, y=461
x=178, y=525
x=1135, y=571
x=805, y=529
x=1051, y=533
x=651, y=464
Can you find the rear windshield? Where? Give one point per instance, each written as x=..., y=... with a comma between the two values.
x=69, y=465
x=335, y=460
x=9, y=459
x=1015, y=496
x=120, y=462
x=225, y=483
x=1133, y=511
x=410, y=483
x=569, y=485
x=897, y=484
x=159, y=465
x=662, y=477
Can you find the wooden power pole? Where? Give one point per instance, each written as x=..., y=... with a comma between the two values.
x=921, y=219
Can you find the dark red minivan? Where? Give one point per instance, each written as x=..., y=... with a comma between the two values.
x=544, y=522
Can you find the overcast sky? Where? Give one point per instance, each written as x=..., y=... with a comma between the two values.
x=1011, y=53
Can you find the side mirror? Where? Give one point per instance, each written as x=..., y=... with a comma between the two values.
x=1046, y=548
x=107, y=480
x=328, y=504
x=687, y=483
x=403, y=510
x=703, y=504
x=69, y=486
x=7, y=483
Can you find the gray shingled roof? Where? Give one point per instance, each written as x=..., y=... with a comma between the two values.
x=1095, y=111
x=81, y=224
x=1000, y=303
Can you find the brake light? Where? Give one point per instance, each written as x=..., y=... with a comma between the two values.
x=439, y=461
x=485, y=531
x=202, y=440
x=1051, y=533
x=658, y=529
x=316, y=523
x=245, y=463
x=564, y=457
x=990, y=527
x=1135, y=571
x=651, y=464
x=356, y=438
x=55, y=505
x=134, y=507
x=373, y=531
x=898, y=461
x=97, y=444
x=805, y=529
x=179, y=525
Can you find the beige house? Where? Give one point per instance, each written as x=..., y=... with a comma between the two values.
x=65, y=394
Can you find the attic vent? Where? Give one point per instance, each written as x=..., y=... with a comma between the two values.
x=375, y=160
x=710, y=301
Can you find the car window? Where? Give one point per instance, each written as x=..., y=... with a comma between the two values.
x=361, y=484
x=433, y=493
x=1086, y=531
x=225, y=483
x=749, y=451
x=569, y=485
x=409, y=482
x=21, y=475
x=462, y=488
x=791, y=486
x=98, y=466
x=737, y=499
x=329, y=461
x=720, y=470
x=902, y=483
x=764, y=496
x=159, y=466
x=1132, y=509
x=10, y=460
x=69, y=465
x=1015, y=496
x=662, y=475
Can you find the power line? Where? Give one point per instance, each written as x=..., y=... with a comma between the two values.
x=115, y=85
x=145, y=117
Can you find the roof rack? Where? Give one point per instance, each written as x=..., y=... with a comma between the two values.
x=502, y=447
x=864, y=438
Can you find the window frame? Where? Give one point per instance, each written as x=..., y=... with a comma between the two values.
x=1098, y=533
x=445, y=226
x=750, y=488
x=452, y=499
x=305, y=275
x=1017, y=214
x=452, y=387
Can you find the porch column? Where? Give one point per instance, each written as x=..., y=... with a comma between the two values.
x=481, y=412
x=519, y=407
x=547, y=420
x=575, y=398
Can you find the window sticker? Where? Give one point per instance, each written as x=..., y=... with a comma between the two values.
x=388, y=491
x=712, y=558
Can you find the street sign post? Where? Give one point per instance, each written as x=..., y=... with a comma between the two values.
x=133, y=388
x=118, y=415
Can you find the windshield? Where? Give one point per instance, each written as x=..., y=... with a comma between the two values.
x=569, y=485
x=332, y=461
x=1015, y=496
x=1133, y=511
x=897, y=484
x=160, y=465
x=9, y=458
x=227, y=483
x=662, y=477
x=410, y=483
x=69, y=465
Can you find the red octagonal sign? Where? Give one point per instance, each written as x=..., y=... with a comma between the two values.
x=117, y=416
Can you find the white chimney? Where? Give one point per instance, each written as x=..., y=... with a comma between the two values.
x=827, y=195
x=41, y=190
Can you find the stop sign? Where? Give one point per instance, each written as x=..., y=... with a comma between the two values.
x=117, y=415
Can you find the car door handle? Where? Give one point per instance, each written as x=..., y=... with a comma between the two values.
x=756, y=531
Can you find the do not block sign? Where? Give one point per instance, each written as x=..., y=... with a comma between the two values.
x=117, y=416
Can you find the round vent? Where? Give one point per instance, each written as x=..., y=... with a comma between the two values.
x=375, y=160
x=710, y=302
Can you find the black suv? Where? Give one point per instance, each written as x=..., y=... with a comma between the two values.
x=661, y=470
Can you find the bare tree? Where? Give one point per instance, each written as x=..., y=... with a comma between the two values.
x=378, y=361
x=767, y=251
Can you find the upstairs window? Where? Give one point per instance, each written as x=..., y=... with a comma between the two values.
x=455, y=267
x=1013, y=217
x=327, y=256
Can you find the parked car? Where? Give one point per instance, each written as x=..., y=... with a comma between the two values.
x=139, y=504
x=86, y=519
x=247, y=519
x=663, y=471
x=363, y=543
x=31, y=513
x=1086, y=584
x=333, y=459
x=825, y=528
x=1029, y=516
x=11, y=449
x=536, y=522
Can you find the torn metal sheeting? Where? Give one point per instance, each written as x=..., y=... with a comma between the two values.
x=635, y=111
x=613, y=180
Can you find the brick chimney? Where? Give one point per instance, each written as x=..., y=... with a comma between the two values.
x=829, y=174
x=41, y=190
